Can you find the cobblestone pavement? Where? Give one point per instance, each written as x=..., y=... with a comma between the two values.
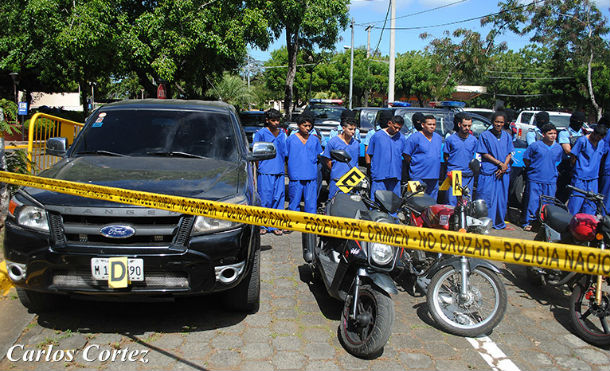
x=296, y=329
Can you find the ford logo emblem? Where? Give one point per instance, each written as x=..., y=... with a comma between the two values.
x=117, y=231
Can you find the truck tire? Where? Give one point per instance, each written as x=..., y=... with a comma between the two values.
x=246, y=296
x=38, y=302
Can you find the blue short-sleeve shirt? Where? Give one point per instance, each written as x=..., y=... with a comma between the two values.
x=461, y=151
x=338, y=169
x=588, y=158
x=564, y=136
x=303, y=157
x=275, y=165
x=425, y=155
x=387, y=155
x=498, y=148
x=543, y=161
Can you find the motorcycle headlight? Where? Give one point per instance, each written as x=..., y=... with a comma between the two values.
x=204, y=225
x=381, y=254
x=29, y=216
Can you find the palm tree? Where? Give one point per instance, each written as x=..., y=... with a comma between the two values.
x=233, y=90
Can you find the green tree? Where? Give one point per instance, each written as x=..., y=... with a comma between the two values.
x=573, y=30
x=416, y=76
x=232, y=90
x=306, y=24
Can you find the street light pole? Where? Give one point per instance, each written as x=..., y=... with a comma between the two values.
x=351, y=67
x=392, y=52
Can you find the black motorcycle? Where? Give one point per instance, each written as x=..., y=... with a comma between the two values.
x=357, y=272
x=590, y=299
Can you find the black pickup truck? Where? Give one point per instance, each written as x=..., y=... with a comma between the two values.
x=58, y=245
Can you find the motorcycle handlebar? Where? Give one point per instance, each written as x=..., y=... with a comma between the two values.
x=592, y=195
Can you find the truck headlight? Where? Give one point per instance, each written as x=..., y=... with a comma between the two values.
x=29, y=216
x=204, y=224
x=381, y=254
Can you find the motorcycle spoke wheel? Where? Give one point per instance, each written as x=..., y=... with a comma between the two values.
x=366, y=338
x=473, y=314
x=590, y=320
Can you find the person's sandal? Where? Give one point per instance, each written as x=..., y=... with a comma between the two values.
x=277, y=232
x=263, y=231
x=527, y=228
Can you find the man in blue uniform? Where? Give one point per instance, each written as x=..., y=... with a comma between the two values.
x=604, y=179
x=423, y=153
x=586, y=155
x=385, y=150
x=495, y=147
x=459, y=150
x=302, y=150
x=270, y=178
x=540, y=119
x=567, y=138
x=541, y=159
x=344, y=141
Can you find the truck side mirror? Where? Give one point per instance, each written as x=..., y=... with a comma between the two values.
x=57, y=146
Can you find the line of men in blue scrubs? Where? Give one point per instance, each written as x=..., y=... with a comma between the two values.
x=421, y=151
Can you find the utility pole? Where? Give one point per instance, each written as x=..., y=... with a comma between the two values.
x=351, y=67
x=392, y=51
x=368, y=40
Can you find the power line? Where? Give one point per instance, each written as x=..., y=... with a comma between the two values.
x=463, y=20
x=412, y=14
x=387, y=13
x=528, y=78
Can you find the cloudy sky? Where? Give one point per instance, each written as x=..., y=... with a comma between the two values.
x=373, y=12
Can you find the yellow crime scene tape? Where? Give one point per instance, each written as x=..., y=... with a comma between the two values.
x=510, y=250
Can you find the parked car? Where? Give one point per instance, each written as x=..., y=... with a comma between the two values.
x=58, y=245
x=485, y=112
x=326, y=114
x=252, y=121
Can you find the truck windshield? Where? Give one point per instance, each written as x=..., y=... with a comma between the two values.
x=155, y=132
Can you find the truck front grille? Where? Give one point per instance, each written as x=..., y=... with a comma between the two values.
x=153, y=231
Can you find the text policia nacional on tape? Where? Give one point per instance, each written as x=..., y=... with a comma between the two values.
x=543, y=254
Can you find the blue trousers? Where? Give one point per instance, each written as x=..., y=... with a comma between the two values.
x=604, y=188
x=271, y=190
x=332, y=189
x=467, y=181
x=391, y=184
x=578, y=204
x=306, y=190
x=495, y=193
x=532, y=193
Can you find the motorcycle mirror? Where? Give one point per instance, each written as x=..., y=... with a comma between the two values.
x=340, y=155
x=475, y=166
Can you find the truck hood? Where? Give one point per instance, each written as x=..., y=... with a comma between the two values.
x=197, y=178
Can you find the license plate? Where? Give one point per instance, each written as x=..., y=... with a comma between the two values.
x=100, y=269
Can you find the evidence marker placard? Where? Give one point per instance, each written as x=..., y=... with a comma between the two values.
x=510, y=250
x=350, y=179
x=453, y=180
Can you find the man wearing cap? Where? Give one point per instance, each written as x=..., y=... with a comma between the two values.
x=567, y=138
x=540, y=119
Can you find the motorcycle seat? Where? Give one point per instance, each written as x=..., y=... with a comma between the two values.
x=421, y=202
x=343, y=205
x=556, y=217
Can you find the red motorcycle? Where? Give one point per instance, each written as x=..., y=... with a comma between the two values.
x=465, y=296
x=590, y=299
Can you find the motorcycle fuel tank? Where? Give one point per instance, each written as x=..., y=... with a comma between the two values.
x=437, y=216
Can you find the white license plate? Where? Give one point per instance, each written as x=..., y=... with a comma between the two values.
x=99, y=269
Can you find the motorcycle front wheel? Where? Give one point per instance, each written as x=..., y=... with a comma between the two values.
x=366, y=335
x=473, y=314
x=590, y=321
